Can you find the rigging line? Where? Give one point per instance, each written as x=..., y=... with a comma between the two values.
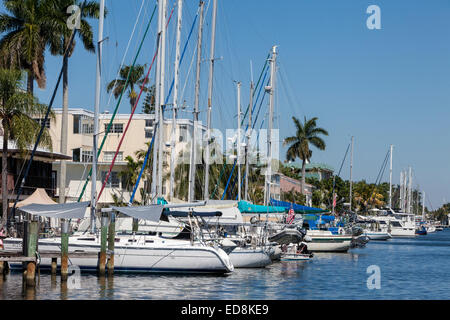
x=126, y=50
x=254, y=123
x=129, y=120
x=383, y=167
x=144, y=165
x=343, y=160
x=235, y=161
x=41, y=131
x=182, y=56
x=118, y=103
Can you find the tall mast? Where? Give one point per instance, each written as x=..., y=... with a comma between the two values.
x=192, y=167
x=210, y=91
x=249, y=134
x=390, y=179
x=96, y=115
x=158, y=124
x=175, y=98
x=351, y=172
x=409, y=190
x=271, y=91
x=162, y=95
x=423, y=206
x=401, y=190
x=238, y=141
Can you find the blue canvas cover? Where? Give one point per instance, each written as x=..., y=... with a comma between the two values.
x=247, y=207
x=297, y=208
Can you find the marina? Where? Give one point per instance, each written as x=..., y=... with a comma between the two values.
x=403, y=264
x=218, y=191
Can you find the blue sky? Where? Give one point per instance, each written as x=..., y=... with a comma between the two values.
x=388, y=86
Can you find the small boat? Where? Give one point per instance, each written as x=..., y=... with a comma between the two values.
x=422, y=231
x=439, y=229
x=377, y=235
x=325, y=241
x=295, y=252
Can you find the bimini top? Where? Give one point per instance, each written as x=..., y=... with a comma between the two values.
x=75, y=210
x=297, y=208
x=155, y=212
x=247, y=207
x=149, y=213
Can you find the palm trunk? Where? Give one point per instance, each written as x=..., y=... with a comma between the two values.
x=5, y=175
x=30, y=82
x=303, y=176
x=64, y=126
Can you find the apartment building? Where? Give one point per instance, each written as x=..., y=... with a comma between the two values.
x=80, y=141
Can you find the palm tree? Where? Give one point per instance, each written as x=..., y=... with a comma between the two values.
x=136, y=77
x=27, y=31
x=17, y=108
x=59, y=43
x=307, y=133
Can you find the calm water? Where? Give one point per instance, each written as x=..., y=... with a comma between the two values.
x=410, y=269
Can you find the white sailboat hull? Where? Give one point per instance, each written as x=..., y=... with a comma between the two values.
x=378, y=235
x=250, y=258
x=176, y=258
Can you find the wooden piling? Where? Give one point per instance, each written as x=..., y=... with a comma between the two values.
x=32, y=238
x=103, y=241
x=64, y=249
x=54, y=265
x=111, y=241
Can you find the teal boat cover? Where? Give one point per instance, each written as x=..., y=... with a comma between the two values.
x=297, y=208
x=247, y=207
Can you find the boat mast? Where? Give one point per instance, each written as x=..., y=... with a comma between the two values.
x=158, y=125
x=210, y=92
x=271, y=90
x=192, y=167
x=351, y=172
x=161, y=105
x=423, y=206
x=175, y=97
x=96, y=115
x=390, y=179
x=248, y=141
x=238, y=141
x=409, y=190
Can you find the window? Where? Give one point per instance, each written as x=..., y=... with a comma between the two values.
x=88, y=128
x=86, y=156
x=148, y=134
x=76, y=155
x=115, y=128
x=108, y=156
x=149, y=123
x=40, y=121
x=113, y=180
x=76, y=124
x=183, y=133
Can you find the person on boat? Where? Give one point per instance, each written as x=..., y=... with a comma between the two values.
x=303, y=248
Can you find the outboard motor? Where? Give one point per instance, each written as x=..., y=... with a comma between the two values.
x=359, y=241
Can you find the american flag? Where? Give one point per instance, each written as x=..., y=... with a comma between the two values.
x=291, y=215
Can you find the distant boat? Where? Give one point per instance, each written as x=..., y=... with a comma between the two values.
x=422, y=231
x=293, y=252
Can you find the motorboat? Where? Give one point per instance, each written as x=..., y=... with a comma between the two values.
x=295, y=252
x=326, y=241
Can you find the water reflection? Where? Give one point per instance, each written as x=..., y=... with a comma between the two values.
x=404, y=267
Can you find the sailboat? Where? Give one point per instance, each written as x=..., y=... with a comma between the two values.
x=135, y=252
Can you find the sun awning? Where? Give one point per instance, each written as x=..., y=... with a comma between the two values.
x=149, y=213
x=39, y=196
x=297, y=208
x=75, y=210
x=180, y=214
